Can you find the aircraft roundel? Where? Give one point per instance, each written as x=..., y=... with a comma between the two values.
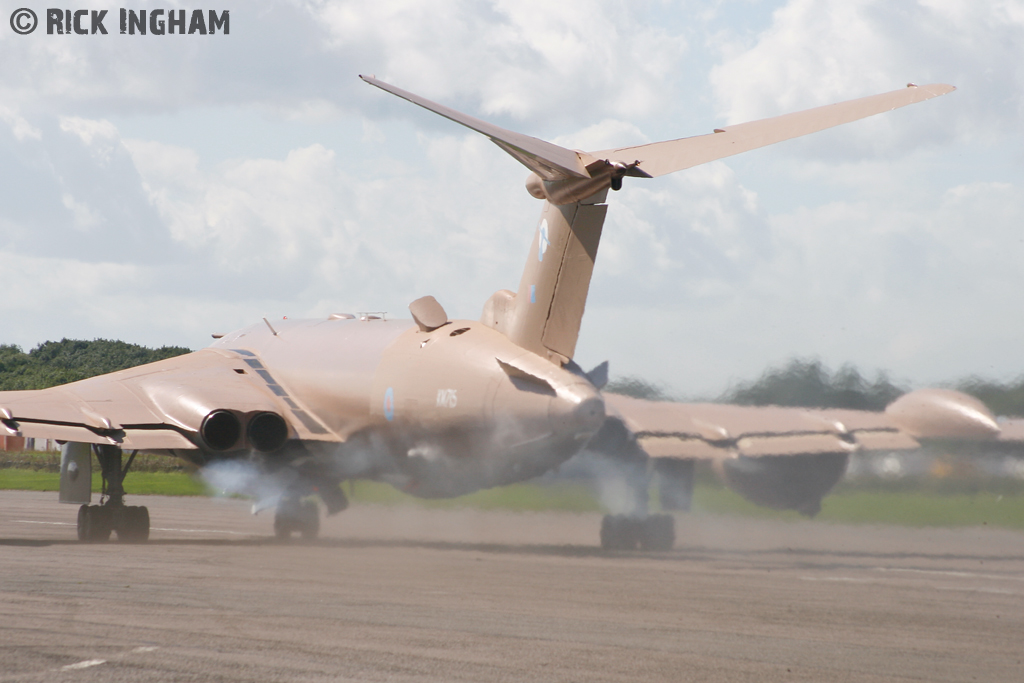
x=389, y=404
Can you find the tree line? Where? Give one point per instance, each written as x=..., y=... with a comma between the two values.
x=807, y=383
x=69, y=360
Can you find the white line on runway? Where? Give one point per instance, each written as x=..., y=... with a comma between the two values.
x=84, y=665
x=155, y=528
x=962, y=589
x=946, y=572
x=88, y=663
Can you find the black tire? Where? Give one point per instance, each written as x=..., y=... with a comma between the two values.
x=295, y=515
x=83, y=523
x=134, y=526
x=282, y=527
x=97, y=523
x=658, y=533
x=620, y=532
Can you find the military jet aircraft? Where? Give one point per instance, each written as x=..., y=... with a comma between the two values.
x=440, y=407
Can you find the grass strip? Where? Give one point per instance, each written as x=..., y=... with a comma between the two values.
x=906, y=508
x=139, y=483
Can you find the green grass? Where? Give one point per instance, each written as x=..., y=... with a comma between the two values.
x=140, y=483
x=848, y=505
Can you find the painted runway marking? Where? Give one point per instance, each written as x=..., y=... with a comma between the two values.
x=29, y=521
x=83, y=665
x=946, y=572
x=931, y=586
x=149, y=648
x=155, y=528
x=204, y=531
x=848, y=579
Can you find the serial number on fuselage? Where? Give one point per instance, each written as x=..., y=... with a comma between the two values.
x=447, y=398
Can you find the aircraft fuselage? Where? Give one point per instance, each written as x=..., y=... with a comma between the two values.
x=437, y=413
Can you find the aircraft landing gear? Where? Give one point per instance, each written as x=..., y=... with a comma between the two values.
x=624, y=532
x=294, y=514
x=632, y=468
x=96, y=522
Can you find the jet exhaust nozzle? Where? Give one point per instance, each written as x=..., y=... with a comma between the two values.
x=267, y=432
x=221, y=430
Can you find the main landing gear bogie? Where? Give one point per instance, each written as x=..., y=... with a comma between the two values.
x=626, y=532
x=130, y=522
x=97, y=522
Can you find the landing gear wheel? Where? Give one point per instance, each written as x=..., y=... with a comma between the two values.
x=622, y=532
x=134, y=526
x=83, y=523
x=294, y=515
x=658, y=533
x=94, y=523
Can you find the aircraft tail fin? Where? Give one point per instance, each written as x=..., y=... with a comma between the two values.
x=544, y=316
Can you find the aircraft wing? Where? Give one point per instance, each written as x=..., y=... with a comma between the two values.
x=159, y=406
x=709, y=431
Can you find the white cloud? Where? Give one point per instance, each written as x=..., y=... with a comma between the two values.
x=21, y=128
x=892, y=243
x=822, y=51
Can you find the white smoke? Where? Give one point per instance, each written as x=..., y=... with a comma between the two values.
x=246, y=478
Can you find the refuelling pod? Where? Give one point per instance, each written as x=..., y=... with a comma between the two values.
x=943, y=414
x=793, y=482
x=222, y=430
x=76, y=473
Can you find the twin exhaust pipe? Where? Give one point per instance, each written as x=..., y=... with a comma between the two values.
x=265, y=432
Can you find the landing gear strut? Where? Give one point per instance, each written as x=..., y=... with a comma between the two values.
x=632, y=471
x=96, y=522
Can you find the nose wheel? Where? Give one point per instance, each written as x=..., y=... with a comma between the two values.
x=294, y=515
x=623, y=532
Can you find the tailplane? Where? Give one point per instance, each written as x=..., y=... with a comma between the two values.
x=544, y=315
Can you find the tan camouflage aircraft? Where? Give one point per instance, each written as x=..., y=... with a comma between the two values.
x=440, y=407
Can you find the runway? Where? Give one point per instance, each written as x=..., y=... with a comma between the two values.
x=402, y=594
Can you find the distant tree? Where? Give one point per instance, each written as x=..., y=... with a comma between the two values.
x=807, y=383
x=1001, y=399
x=637, y=388
x=69, y=360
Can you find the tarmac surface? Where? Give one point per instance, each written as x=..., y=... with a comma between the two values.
x=403, y=594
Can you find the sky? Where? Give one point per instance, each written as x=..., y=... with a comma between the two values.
x=160, y=188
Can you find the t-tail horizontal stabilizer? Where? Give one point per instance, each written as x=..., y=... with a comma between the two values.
x=548, y=161
x=565, y=176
